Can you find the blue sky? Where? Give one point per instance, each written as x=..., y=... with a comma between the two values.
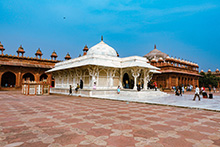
x=189, y=29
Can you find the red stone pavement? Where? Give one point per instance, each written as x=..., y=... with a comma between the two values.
x=56, y=120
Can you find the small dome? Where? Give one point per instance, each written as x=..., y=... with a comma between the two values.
x=176, y=60
x=193, y=64
x=217, y=70
x=117, y=54
x=38, y=52
x=201, y=71
x=167, y=58
x=67, y=56
x=172, y=58
x=188, y=63
x=1, y=46
x=184, y=61
x=153, y=60
x=102, y=49
x=155, y=53
x=147, y=60
x=85, y=48
x=54, y=54
x=160, y=59
x=209, y=70
x=20, y=49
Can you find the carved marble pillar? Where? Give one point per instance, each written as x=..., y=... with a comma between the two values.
x=74, y=78
x=62, y=80
x=78, y=73
x=112, y=75
x=146, y=78
x=93, y=72
x=68, y=78
x=121, y=78
x=135, y=73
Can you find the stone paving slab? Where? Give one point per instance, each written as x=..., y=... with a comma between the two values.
x=55, y=121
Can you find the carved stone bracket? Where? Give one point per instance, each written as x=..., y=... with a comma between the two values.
x=72, y=73
x=146, y=78
x=150, y=76
x=78, y=73
x=135, y=72
x=93, y=71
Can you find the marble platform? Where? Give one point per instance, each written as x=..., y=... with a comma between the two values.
x=151, y=97
x=154, y=97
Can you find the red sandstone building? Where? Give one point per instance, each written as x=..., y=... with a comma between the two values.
x=14, y=69
x=174, y=72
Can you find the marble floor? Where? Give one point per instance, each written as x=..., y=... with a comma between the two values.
x=186, y=100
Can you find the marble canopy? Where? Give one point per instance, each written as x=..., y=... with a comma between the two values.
x=102, y=67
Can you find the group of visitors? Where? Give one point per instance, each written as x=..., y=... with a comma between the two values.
x=178, y=90
x=9, y=85
x=78, y=86
x=189, y=88
x=203, y=92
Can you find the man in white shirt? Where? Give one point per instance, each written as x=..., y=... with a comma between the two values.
x=196, y=93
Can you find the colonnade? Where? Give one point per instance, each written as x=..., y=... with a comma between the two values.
x=100, y=77
x=170, y=80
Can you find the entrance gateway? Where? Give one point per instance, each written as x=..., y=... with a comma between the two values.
x=101, y=72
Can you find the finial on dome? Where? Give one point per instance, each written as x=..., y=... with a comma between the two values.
x=101, y=38
x=155, y=46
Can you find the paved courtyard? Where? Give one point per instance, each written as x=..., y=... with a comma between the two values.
x=55, y=120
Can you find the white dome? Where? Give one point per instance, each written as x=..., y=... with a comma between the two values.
x=102, y=49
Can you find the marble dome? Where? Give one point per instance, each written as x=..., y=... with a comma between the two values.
x=102, y=49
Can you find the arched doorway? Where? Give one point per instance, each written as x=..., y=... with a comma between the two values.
x=28, y=77
x=128, y=83
x=8, y=79
x=43, y=77
x=52, y=82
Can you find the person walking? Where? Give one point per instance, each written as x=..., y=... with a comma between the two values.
x=214, y=89
x=196, y=93
x=70, y=91
x=180, y=88
x=155, y=85
x=118, y=90
x=210, y=89
x=183, y=89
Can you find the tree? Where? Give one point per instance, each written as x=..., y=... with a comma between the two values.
x=208, y=80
